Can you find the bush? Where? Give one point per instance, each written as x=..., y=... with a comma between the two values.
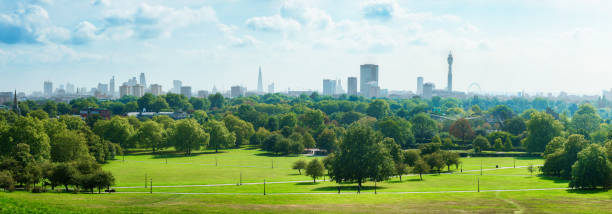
x=6, y=181
x=38, y=189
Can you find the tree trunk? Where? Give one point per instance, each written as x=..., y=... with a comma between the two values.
x=66, y=186
x=421, y=175
x=314, y=180
x=300, y=171
x=400, y=178
x=359, y=186
x=216, y=149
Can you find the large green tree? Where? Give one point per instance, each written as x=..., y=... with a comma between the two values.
x=151, y=135
x=68, y=146
x=117, y=130
x=592, y=169
x=423, y=127
x=586, y=118
x=187, y=136
x=243, y=130
x=398, y=129
x=461, y=129
x=378, y=109
x=220, y=136
x=541, y=128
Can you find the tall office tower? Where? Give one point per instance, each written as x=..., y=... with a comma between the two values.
x=143, y=81
x=214, y=90
x=419, y=86
x=329, y=87
x=369, y=78
x=237, y=91
x=103, y=88
x=138, y=90
x=177, y=86
x=428, y=89
x=339, y=89
x=156, y=89
x=186, y=91
x=352, y=86
x=82, y=91
x=202, y=93
x=132, y=82
x=69, y=88
x=450, y=72
x=125, y=90
x=112, y=86
x=61, y=87
x=48, y=88
x=260, y=82
x=271, y=88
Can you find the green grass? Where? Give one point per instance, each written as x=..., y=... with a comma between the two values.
x=208, y=167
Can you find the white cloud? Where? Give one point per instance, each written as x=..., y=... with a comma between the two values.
x=273, y=23
x=381, y=9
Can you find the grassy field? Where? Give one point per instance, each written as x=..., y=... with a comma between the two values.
x=446, y=192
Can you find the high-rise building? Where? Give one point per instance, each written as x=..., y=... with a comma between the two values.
x=420, y=86
x=156, y=89
x=368, y=78
x=177, y=84
x=138, y=90
x=271, y=88
x=48, y=88
x=237, y=91
x=112, y=86
x=329, y=87
x=186, y=91
x=202, y=93
x=339, y=88
x=70, y=88
x=352, y=86
x=260, y=82
x=132, y=82
x=103, y=89
x=450, y=72
x=428, y=89
x=6, y=97
x=143, y=80
x=125, y=90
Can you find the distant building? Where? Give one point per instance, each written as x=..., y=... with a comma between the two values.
x=329, y=87
x=202, y=93
x=373, y=90
x=70, y=88
x=186, y=91
x=111, y=85
x=368, y=79
x=138, y=90
x=104, y=113
x=428, y=89
x=156, y=89
x=450, y=72
x=420, y=86
x=177, y=86
x=260, y=82
x=103, y=88
x=607, y=95
x=6, y=97
x=271, y=88
x=143, y=80
x=352, y=86
x=125, y=90
x=339, y=88
x=48, y=89
x=237, y=91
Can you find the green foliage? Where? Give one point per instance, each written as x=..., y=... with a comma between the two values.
x=423, y=127
x=498, y=145
x=480, y=143
x=299, y=165
x=220, y=136
x=314, y=169
x=515, y=126
x=461, y=129
x=420, y=166
x=67, y=146
x=592, y=169
x=398, y=129
x=242, y=130
x=117, y=130
x=508, y=144
x=151, y=135
x=216, y=101
x=187, y=135
x=429, y=148
x=327, y=140
x=541, y=129
x=378, y=109
x=586, y=118
x=28, y=131
x=312, y=119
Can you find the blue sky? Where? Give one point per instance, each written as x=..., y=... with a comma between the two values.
x=505, y=46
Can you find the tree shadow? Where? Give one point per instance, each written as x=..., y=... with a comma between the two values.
x=169, y=155
x=587, y=191
x=528, y=158
x=348, y=188
x=404, y=180
x=269, y=154
x=551, y=178
x=307, y=184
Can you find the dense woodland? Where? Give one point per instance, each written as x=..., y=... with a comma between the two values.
x=367, y=139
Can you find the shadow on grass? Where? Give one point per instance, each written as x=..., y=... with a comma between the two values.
x=404, y=180
x=348, y=188
x=172, y=154
x=551, y=178
x=307, y=183
x=587, y=191
x=268, y=154
x=528, y=158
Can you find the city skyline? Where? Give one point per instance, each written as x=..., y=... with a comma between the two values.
x=547, y=46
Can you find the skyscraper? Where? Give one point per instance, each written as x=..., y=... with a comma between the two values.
x=69, y=88
x=369, y=78
x=48, y=88
x=177, y=86
x=450, y=72
x=237, y=91
x=329, y=87
x=125, y=90
x=112, y=87
x=428, y=89
x=143, y=81
x=352, y=86
x=186, y=91
x=156, y=89
x=138, y=90
x=419, y=86
x=103, y=88
x=260, y=82
x=271, y=88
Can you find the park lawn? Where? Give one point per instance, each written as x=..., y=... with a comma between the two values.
x=550, y=201
x=226, y=167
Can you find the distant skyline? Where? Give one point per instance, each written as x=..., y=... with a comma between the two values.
x=504, y=46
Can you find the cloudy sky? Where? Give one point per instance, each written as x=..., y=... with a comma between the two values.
x=505, y=46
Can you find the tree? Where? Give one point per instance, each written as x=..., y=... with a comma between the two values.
x=411, y=157
x=145, y=102
x=361, y=156
x=586, y=118
x=299, y=165
x=461, y=129
x=508, y=144
x=260, y=136
x=151, y=135
x=200, y=116
x=398, y=129
x=29, y=131
x=435, y=161
x=515, y=125
x=499, y=145
x=423, y=127
x=378, y=109
x=429, y=148
x=554, y=145
x=68, y=146
x=531, y=169
x=187, y=135
x=158, y=104
x=216, y=101
x=401, y=169
x=243, y=130
x=480, y=143
x=6, y=180
x=327, y=140
x=102, y=179
x=63, y=174
x=592, y=169
x=501, y=113
x=117, y=130
x=450, y=158
x=420, y=167
x=447, y=143
x=220, y=136
x=541, y=128
x=314, y=169
x=38, y=114
x=287, y=120
x=575, y=143
x=312, y=119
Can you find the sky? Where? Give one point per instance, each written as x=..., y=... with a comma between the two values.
x=505, y=46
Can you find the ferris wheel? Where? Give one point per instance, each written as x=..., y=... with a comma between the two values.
x=474, y=88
